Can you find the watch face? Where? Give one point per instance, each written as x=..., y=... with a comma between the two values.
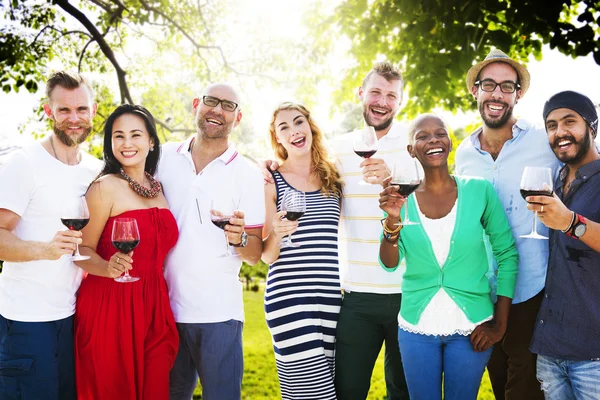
x=580, y=230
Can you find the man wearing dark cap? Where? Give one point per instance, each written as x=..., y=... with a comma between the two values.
x=568, y=324
x=499, y=151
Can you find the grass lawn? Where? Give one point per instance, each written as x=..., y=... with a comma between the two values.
x=260, y=374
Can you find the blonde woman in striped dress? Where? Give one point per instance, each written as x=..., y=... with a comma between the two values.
x=303, y=296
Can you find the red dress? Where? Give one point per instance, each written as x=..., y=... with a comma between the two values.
x=126, y=340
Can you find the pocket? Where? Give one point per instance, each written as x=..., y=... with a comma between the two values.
x=15, y=365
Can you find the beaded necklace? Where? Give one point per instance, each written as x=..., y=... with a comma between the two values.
x=150, y=193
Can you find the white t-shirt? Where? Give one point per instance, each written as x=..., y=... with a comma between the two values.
x=35, y=185
x=360, y=230
x=203, y=286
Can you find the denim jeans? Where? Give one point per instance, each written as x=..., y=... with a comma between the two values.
x=36, y=360
x=213, y=352
x=566, y=380
x=427, y=358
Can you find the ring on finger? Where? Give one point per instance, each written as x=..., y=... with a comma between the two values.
x=542, y=208
x=118, y=260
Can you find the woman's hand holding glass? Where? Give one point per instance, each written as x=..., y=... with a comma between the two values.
x=282, y=226
x=118, y=264
x=391, y=201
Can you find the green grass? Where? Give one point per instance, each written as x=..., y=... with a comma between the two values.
x=260, y=374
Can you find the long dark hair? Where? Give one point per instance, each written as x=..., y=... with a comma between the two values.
x=111, y=165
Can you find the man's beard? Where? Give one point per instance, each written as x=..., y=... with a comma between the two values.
x=496, y=123
x=61, y=134
x=583, y=147
x=213, y=132
x=384, y=125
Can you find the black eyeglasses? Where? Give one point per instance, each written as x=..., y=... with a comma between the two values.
x=225, y=104
x=488, y=85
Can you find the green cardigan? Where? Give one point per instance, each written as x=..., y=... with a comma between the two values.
x=463, y=276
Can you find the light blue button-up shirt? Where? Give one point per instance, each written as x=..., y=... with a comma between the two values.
x=528, y=147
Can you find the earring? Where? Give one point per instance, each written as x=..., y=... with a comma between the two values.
x=151, y=148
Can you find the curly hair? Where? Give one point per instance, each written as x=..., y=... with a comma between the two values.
x=323, y=166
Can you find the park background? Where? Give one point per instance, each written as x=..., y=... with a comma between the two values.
x=160, y=53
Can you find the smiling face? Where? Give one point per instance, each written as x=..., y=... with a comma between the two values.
x=569, y=135
x=130, y=141
x=72, y=111
x=214, y=122
x=293, y=132
x=381, y=100
x=496, y=108
x=429, y=141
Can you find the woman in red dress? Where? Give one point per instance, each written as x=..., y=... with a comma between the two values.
x=125, y=335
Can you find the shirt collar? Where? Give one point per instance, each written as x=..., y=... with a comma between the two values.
x=227, y=157
x=520, y=126
x=395, y=130
x=584, y=172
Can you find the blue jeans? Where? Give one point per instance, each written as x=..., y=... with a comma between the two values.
x=37, y=360
x=427, y=358
x=213, y=352
x=566, y=380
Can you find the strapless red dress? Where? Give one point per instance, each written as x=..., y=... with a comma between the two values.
x=126, y=340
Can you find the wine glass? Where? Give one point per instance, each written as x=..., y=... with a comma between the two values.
x=407, y=176
x=536, y=181
x=293, y=203
x=365, y=144
x=125, y=238
x=220, y=214
x=75, y=216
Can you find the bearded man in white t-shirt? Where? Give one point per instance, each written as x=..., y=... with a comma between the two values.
x=39, y=281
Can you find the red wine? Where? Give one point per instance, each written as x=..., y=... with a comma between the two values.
x=125, y=246
x=527, y=192
x=75, y=224
x=365, y=154
x=294, y=215
x=221, y=222
x=405, y=189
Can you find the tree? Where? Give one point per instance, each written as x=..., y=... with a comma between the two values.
x=191, y=43
x=437, y=41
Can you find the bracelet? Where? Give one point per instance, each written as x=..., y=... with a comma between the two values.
x=389, y=231
x=573, y=218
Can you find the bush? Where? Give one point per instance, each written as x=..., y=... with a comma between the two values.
x=255, y=287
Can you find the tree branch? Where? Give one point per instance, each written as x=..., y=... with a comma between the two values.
x=104, y=47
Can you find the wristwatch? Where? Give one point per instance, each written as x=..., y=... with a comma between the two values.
x=579, y=228
x=243, y=242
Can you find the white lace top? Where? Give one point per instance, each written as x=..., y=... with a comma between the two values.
x=442, y=316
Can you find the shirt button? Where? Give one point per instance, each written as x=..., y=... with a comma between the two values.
x=464, y=308
x=495, y=167
x=546, y=296
x=541, y=321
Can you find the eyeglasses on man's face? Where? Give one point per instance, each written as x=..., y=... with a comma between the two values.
x=225, y=104
x=489, y=85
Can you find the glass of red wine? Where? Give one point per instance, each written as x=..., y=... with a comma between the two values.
x=125, y=238
x=75, y=216
x=293, y=203
x=365, y=144
x=536, y=181
x=220, y=214
x=407, y=176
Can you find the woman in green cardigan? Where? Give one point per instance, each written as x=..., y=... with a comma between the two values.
x=447, y=322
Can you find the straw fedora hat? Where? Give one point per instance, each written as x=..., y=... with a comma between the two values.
x=499, y=56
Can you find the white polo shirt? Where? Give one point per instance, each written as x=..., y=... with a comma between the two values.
x=34, y=186
x=204, y=287
x=360, y=228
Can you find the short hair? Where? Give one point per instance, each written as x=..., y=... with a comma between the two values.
x=68, y=80
x=414, y=124
x=385, y=69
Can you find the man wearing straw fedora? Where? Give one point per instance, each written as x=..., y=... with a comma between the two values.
x=499, y=151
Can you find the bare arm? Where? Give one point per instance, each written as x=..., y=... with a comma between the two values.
x=275, y=227
x=391, y=202
x=100, y=201
x=555, y=215
x=13, y=249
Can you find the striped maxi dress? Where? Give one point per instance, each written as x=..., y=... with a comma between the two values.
x=303, y=299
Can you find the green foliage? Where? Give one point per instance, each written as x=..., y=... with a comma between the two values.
x=437, y=41
x=248, y=272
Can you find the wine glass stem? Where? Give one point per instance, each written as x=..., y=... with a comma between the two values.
x=227, y=253
x=535, y=222
x=289, y=240
x=77, y=250
x=406, y=211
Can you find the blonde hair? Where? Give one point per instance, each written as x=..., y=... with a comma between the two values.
x=323, y=167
